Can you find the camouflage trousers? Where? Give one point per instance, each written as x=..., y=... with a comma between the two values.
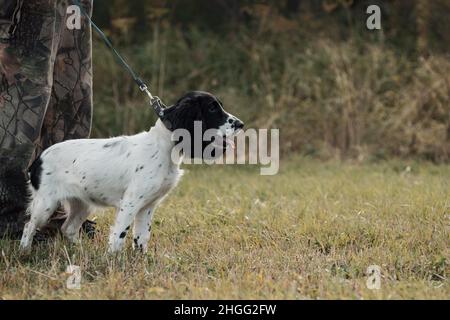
x=46, y=74
x=45, y=92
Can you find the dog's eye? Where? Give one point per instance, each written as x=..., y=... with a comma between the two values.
x=213, y=108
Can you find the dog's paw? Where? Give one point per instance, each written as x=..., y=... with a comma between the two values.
x=139, y=246
x=89, y=228
x=114, y=247
x=24, y=249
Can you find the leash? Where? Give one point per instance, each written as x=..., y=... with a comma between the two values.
x=155, y=101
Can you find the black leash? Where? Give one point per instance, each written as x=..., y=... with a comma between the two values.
x=155, y=101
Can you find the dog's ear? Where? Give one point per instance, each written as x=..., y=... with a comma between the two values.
x=182, y=115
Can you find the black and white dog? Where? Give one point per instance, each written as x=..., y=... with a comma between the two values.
x=131, y=173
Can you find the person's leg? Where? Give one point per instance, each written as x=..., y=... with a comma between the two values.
x=27, y=47
x=27, y=44
x=46, y=81
x=69, y=113
x=13, y=190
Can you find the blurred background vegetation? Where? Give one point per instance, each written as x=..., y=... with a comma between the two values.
x=308, y=67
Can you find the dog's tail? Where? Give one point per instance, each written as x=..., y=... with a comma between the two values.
x=34, y=173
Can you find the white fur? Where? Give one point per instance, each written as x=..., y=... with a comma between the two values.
x=227, y=129
x=131, y=173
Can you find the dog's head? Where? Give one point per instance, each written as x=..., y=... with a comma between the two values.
x=199, y=106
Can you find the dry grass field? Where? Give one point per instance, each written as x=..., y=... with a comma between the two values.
x=226, y=232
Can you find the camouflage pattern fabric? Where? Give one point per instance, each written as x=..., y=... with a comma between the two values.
x=14, y=195
x=45, y=75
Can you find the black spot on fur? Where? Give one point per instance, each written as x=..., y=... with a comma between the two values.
x=154, y=155
x=122, y=235
x=111, y=144
x=35, y=173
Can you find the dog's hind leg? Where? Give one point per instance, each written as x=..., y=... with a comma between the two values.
x=41, y=209
x=142, y=228
x=78, y=211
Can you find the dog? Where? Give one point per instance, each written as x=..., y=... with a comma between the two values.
x=130, y=173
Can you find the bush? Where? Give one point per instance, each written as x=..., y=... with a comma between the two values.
x=330, y=98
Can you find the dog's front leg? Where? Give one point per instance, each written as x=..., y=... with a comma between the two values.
x=142, y=228
x=124, y=219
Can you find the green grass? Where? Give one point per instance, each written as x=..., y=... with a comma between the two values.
x=226, y=232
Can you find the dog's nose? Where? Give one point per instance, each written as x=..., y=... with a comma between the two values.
x=238, y=124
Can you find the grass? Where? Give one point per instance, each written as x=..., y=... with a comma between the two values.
x=308, y=233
